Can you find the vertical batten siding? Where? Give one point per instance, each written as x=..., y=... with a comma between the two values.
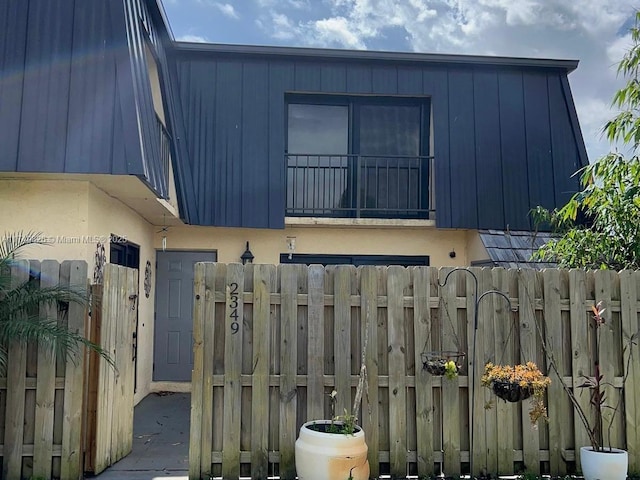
x=359, y=79
x=90, y=136
x=384, y=80
x=255, y=143
x=487, y=150
x=228, y=142
x=13, y=23
x=514, y=150
x=333, y=78
x=281, y=79
x=70, y=102
x=45, y=100
x=410, y=81
x=462, y=161
x=565, y=155
x=436, y=83
x=307, y=77
x=487, y=173
x=539, y=154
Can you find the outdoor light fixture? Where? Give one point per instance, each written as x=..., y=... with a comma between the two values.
x=291, y=246
x=247, y=256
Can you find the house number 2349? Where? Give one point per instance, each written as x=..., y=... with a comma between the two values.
x=233, y=307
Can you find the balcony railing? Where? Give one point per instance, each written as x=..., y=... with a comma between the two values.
x=359, y=186
x=164, y=142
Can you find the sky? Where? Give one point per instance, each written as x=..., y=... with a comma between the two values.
x=595, y=32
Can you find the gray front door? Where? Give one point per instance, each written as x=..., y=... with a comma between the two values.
x=173, y=349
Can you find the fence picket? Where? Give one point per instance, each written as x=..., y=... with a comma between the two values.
x=71, y=458
x=581, y=364
x=424, y=381
x=369, y=414
x=207, y=349
x=198, y=433
x=16, y=384
x=262, y=285
x=315, y=357
x=484, y=420
x=557, y=399
x=629, y=296
x=233, y=368
x=342, y=337
x=503, y=326
x=46, y=383
x=396, y=282
x=528, y=350
x=450, y=389
x=288, y=356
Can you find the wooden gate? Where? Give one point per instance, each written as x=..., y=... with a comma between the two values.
x=271, y=343
x=110, y=390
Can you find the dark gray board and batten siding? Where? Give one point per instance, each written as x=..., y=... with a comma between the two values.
x=506, y=136
x=74, y=90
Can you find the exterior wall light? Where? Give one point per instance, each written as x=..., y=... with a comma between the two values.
x=291, y=246
x=247, y=256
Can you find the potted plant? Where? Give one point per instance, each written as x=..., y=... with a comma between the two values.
x=516, y=383
x=597, y=461
x=335, y=449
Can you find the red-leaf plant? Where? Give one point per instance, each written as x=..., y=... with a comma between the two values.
x=595, y=385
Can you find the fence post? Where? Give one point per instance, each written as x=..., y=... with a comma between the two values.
x=199, y=325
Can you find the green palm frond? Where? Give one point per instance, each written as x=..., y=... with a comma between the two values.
x=48, y=333
x=21, y=320
x=12, y=243
x=30, y=295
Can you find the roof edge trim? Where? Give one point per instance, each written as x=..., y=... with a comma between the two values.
x=329, y=53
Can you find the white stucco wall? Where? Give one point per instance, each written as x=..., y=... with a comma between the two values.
x=267, y=245
x=74, y=215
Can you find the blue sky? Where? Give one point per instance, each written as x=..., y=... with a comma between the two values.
x=592, y=31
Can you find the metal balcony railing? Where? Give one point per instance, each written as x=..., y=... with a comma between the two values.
x=164, y=142
x=359, y=186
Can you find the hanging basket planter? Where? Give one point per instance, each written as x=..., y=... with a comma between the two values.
x=516, y=383
x=442, y=363
x=511, y=391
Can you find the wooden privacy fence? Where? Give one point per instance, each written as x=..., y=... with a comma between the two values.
x=272, y=342
x=56, y=417
x=41, y=399
x=110, y=389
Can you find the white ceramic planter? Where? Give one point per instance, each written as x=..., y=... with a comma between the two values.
x=606, y=465
x=331, y=456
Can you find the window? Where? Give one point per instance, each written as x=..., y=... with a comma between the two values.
x=357, y=156
x=124, y=253
x=357, y=260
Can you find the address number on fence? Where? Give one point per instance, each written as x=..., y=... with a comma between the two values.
x=233, y=307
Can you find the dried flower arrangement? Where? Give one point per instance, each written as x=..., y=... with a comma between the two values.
x=519, y=382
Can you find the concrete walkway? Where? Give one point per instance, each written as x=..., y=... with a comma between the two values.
x=160, y=441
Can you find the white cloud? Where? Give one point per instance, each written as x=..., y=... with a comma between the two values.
x=283, y=28
x=297, y=4
x=227, y=10
x=192, y=38
x=618, y=47
x=336, y=29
